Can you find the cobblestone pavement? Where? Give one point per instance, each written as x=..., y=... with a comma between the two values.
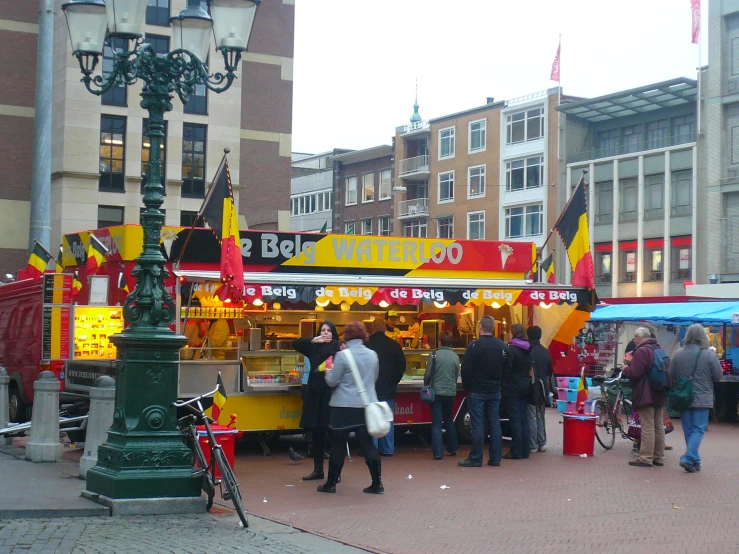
x=550, y=503
x=188, y=534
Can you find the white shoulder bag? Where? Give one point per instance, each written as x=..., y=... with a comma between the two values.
x=377, y=415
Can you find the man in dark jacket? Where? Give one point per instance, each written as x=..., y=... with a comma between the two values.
x=392, y=368
x=646, y=400
x=542, y=362
x=486, y=361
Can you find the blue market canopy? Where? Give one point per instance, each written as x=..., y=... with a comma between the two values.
x=676, y=313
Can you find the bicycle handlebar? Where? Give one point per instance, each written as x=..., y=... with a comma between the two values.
x=188, y=402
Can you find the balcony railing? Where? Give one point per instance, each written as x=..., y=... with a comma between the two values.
x=419, y=164
x=413, y=208
x=620, y=148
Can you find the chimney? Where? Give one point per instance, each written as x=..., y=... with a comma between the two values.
x=490, y=100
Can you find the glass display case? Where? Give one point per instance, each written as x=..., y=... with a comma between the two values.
x=272, y=370
x=93, y=326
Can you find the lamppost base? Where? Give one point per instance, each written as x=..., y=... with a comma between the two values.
x=148, y=506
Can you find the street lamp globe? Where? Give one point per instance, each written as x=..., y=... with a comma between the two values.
x=191, y=30
x=125, y=18
x=87, y=23
x=232, y=23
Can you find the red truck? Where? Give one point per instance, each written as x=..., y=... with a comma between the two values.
x=21, y=315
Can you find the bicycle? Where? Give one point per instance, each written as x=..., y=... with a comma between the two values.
x=203, y=469
x=611, y=412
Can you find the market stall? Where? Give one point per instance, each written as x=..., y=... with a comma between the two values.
x=671, y=319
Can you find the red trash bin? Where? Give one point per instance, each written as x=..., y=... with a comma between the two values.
x=226, y=437
x=579, y=434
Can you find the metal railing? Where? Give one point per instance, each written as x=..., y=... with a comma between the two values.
x=417, y=206
x=621, y=148
x=413, y=165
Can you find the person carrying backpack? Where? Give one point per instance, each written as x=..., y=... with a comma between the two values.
x=649, y=397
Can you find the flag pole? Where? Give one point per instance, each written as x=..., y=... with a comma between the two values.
x=226, y=151
x=698, y=99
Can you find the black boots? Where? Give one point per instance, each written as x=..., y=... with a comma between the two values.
x=375, y=469
x=334, y=476
x=316, y=475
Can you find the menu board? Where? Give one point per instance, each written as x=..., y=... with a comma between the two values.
x=55, y=321
x=93, y=326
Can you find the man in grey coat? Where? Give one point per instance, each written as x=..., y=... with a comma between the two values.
x=696, y=359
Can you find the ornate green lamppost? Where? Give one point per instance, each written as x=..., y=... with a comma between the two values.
x=144, y=466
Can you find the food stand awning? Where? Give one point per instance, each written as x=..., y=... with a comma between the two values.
x=676, y=313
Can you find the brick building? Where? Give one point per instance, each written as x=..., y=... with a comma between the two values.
x=99, y=150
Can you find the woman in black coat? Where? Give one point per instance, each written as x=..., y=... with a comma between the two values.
x=516, y=388
x=315, y=416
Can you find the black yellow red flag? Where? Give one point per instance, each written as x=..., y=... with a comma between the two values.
x=95, y=255
x=219, y=399
x=219, y=210
x=122, y=284
x=37, y=261
x=76, y=284
x=548, y=267
x=573, y=229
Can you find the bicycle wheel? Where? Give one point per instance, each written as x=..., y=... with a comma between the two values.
x=232, y=487
x=605, y=431
x=207, y=484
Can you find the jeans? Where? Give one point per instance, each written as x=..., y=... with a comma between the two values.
x=537, y=427
x=386, y=444
x=695, y=423
x=519, y=416
x=652, y=444
x=441, y=408
x=482, y=407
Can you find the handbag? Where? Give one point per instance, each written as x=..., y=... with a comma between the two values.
x=428, y=392
x=634, y=429
x=377, y=415
x=680, y=395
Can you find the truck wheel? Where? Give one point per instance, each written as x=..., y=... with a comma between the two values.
x=464, y=425
x=17, y=407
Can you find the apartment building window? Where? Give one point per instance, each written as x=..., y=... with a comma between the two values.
x=653, y=259
x=683, y=129
x=608, y=143
x=198, y=102
x=190, y=219
x=627, y=262
x=117, y=95
x=157, y=13
x=446, y=186
x=681, y=258
x=323, y=201
x=603, y=259
x=159, y=43
x=350, y=227
x=446, y=143
x=367, y=226
x=476, y=225
x=368, y=188
x=525, y=126
x=682, y=192
x=524, y=221
x=476, y=181
x=112, y=149
x=657, y=134
x=416, y=228
x=193, y=160
x=604, y=202
x=351, y=191
x=629, y=199
x=445, y=227
x=477, y=136
x=383, y=226
x=632, y=138
x=385, y=184
x=526, y=173
x=654, y=196
x=534, y=220
x=145, y=148
x=109, y=216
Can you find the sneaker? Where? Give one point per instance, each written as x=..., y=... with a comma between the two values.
x=687, y=466
x=452, y=453
x=658, y=464
x=438, y=457
x=543, y=448
x=639, y=463
x=468, y=463
x=493, y=464
x=697, y=467
x=533, y=450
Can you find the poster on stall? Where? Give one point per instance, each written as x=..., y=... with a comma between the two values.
x=684, y=258
x=630, y=262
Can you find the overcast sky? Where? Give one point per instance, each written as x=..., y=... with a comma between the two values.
x=356, y=61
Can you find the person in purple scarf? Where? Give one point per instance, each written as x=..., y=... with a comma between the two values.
x=516, y=387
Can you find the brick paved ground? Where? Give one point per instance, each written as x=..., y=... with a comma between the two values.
x=550, y=503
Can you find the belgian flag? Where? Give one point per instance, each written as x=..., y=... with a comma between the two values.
x=548, y=267
x=219, y=399
x=38, y=261
x=58, y=262
x=95, y=255
x=573, y=228
x=219, y=211
x=122, y=284
x=76, y=284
